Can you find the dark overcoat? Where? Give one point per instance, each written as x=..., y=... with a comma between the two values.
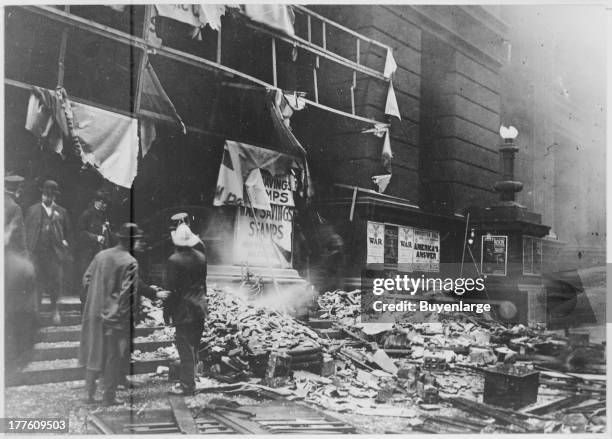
x=186, y=280
x=111, y=283
x=60, y=226
x=90, y=226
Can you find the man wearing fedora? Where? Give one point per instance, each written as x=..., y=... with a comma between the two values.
x=111, y=305
x=94, y=233
x=47, y=232
x=186, y=304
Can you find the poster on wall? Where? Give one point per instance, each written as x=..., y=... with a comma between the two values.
x=375, y=243
x=263, y=240
x=405, y=248
x=426, y=250
x=494, y=255
x=390, y=244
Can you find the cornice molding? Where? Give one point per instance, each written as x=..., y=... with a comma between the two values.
x=419, y=18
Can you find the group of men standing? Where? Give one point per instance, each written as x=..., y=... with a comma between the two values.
x=112, y=285
x=36, y=249
x=44, y=236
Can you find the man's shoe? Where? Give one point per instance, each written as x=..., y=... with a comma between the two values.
x=112, y=402
x=180, y=391
x=129, y=384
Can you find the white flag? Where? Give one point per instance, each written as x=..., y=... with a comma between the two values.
x=386, y=151
x=382, y=181
x=391, y=107
x=390, y=64
x=109, y=141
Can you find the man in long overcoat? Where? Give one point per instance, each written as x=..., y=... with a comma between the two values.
x=112, y=301
x=47, y=232
x=186, y=304
x=94, y=234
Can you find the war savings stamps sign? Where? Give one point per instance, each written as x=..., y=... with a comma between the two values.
x=265, y=240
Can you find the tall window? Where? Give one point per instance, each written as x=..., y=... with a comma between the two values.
x=532, y=256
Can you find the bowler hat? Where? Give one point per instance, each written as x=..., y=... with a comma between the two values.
x=102, y=195
x=12, y=182
x=184, y=237
x=130, y=231
x=50, y=187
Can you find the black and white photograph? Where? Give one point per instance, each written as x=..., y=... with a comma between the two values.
x=305, y=219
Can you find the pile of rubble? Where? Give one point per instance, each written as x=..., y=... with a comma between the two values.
x=428, y=375
x=239, y=336
x=342, y=306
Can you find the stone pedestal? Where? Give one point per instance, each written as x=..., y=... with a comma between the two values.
x=520, y=286
x=499, y=245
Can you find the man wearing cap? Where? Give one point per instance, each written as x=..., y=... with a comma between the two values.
x=47, y=232
x=186, y=305
x=14, y=228
x=113, y=287
x=94, y=233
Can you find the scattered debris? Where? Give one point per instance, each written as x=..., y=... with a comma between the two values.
x=428, y=374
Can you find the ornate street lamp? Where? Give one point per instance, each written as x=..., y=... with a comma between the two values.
x=508, y=187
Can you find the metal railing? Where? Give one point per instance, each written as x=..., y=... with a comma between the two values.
x=322, y=50
x=318, y=50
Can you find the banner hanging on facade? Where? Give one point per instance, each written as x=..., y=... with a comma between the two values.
x=239, y=161
x=196, y=15
x=279, y=17
x=109, y=141
x=263, y=240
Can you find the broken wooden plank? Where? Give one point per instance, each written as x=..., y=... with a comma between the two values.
x=455, y=423
x=300, y=423
x=588, y=376
x=493, y=412
x=239, y=427
x=147, y=430
x=384, y=362
x=316, y=428
x=353, y=335
x=573, y=387
x=356, y=361
x=557, y=404
x=97, y=423
x=182, y=415
x=585, y=407
x=152, y=424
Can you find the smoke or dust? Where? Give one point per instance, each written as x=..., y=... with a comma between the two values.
x=289, y=299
